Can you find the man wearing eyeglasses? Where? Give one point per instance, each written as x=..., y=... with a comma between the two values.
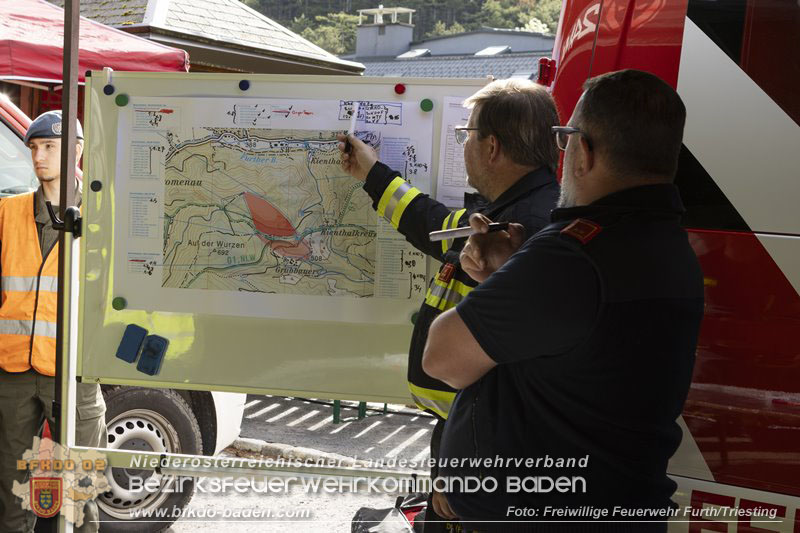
x=510, y=158
x=591, y=325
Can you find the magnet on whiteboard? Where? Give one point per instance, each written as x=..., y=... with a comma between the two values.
x=108, y=90
x=400, y=88
x=122, y=100
x=131, y=343
x=426, y=105
x=153, y=350
x=119, y=303
x=244, y=85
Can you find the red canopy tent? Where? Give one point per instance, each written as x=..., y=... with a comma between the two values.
x=31, y=55
x=32, y=34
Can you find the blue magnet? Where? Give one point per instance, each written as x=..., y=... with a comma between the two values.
x=108, y=90
x=244, y=85
x=153, y=351
x=131, y=343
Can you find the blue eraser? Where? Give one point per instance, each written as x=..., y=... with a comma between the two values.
x=153, y=351
x=131, y=342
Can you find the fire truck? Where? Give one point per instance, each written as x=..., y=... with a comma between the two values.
x=736, y=65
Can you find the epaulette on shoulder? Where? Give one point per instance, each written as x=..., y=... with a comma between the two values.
x=582, y=230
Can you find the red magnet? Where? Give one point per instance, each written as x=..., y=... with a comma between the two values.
x=400, y=88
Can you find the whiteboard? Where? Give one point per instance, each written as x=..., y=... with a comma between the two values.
x=202, y=181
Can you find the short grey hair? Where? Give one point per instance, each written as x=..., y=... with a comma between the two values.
x=520, y=113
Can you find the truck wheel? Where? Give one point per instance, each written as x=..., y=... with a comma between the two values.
x=151, y=420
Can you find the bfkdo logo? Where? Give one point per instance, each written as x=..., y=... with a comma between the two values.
x=59, y=480
x=46, y=496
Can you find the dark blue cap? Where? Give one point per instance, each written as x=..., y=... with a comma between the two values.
x=48, y=125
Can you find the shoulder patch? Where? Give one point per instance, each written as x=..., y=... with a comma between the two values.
x=582, y=229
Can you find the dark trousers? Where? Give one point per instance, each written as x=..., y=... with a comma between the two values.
x=433, y=522
x=26, y=401
x=436, y=524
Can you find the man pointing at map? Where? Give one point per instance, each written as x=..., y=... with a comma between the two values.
x=510, y=157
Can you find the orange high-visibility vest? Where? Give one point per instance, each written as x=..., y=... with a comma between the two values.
x=28, y=291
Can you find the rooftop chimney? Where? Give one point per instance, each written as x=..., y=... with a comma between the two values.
x=385, y=35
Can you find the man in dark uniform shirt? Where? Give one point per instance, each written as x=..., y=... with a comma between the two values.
x=578, y=349
x=510, y=157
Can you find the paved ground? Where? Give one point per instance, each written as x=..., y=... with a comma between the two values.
x=318, y=513
x=403, y=433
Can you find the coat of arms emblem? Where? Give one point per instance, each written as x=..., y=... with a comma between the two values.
x=46, y=496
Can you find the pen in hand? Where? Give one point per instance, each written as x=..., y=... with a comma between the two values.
x=347, y=146
x=456, y=233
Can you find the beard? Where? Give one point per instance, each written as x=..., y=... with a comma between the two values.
x=566, y=197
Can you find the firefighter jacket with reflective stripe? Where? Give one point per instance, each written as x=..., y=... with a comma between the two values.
x=414, y=214
x=28, y=291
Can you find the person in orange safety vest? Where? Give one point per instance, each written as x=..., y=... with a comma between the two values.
x=28, y=314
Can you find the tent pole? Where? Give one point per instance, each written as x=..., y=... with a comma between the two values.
x=64, y=387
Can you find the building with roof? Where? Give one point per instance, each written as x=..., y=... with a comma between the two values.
x=384, y=46
x=32, y=57
x=219, y=35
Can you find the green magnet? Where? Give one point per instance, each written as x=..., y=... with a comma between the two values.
x=426, y=105
x=122, y=100
x=414, y=317
x=119, y=303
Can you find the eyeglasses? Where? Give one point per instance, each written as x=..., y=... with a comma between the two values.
x=562, y=134
x=462, y=132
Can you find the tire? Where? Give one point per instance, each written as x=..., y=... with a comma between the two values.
x=153, y=420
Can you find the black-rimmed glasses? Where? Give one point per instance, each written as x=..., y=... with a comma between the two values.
x=562, y=134
x=462, y=133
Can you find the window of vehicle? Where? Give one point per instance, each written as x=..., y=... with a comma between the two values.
x=16, y=168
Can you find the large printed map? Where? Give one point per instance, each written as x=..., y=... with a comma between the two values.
x=239, y=207
x=266, y=210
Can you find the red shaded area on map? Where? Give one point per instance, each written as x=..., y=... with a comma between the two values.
x=267, y=218
x=290, y=249
x=270, y=221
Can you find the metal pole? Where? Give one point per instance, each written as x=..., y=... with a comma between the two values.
x=69, y=115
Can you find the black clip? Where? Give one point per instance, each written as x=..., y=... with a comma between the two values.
x=71, y=222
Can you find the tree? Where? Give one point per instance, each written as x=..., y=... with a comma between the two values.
x=499, y=14
x=300, y=23
x=537, y=26
x=440, y=29
x=546, y=11
x=334, y=32
x=469, y=14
